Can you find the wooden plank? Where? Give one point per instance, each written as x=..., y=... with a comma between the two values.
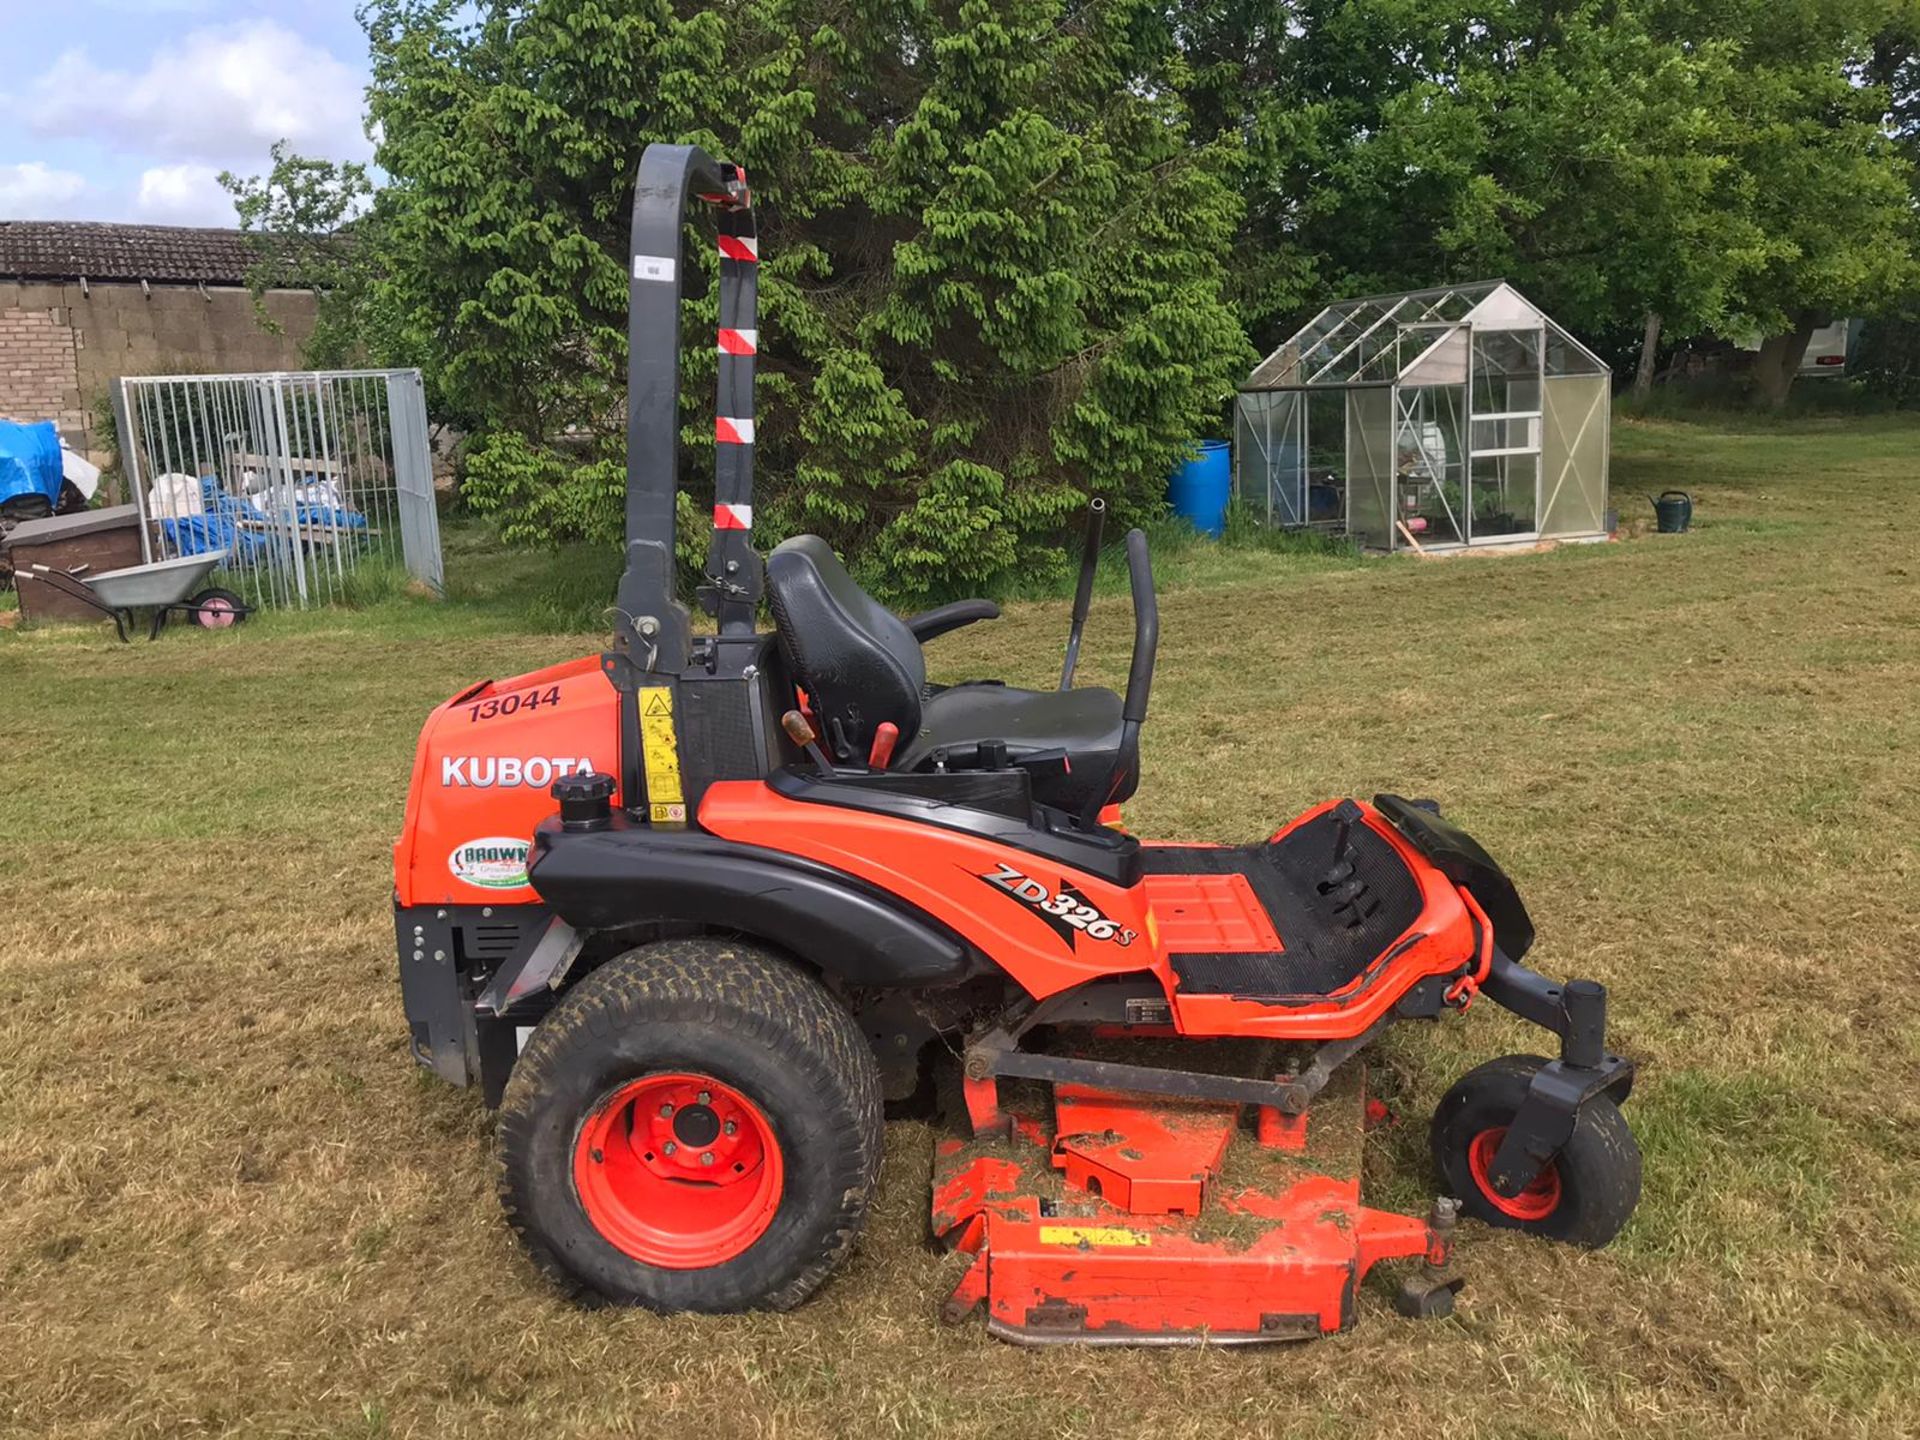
x=298, y=464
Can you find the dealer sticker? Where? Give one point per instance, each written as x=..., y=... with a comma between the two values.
x=494, y=862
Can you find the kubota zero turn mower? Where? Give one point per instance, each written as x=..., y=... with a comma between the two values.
x=690, y=912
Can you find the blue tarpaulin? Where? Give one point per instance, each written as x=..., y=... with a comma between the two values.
x=29, y=460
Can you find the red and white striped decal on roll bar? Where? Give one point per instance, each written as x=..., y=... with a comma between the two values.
x=740, y=247
x=733, y=517
x=733, y=429
x=739, y=342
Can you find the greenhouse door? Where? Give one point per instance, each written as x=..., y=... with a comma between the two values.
x=1503, y=481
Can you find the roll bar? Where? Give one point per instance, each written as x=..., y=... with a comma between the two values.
x=652, y=630
x=1133, y=708
x=1146, y=630
x=1083, y=591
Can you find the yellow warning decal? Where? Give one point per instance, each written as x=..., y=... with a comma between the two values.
x=1092, y=1235
x=666, y=801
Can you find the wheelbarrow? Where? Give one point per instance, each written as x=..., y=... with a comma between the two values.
x=162, y=587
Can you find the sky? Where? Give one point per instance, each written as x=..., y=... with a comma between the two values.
x=129, y=109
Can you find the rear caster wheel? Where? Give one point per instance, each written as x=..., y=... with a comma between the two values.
x=1424, y=1297
x=1582, y=1197
x=696, y=1126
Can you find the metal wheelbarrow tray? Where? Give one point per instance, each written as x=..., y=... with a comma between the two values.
x=162, y=586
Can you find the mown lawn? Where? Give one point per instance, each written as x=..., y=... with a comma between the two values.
x=233, y=1208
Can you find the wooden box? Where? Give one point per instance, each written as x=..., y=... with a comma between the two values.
x=101, y=540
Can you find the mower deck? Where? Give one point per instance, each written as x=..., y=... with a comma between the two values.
x=1100, y=1218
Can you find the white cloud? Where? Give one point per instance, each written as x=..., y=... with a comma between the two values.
x=182, y=195
x=218, y=95
x=36, y=191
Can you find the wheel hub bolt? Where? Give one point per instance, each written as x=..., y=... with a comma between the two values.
x=669, y=1147
x=706, y=1097
x=730, y=1127
x=665, y=1111
x=706, y=1158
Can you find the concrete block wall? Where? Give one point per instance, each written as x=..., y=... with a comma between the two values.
x=60, y=348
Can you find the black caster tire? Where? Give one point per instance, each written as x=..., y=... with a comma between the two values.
x=218, y=609
x=1422, y=1297
x=1583, y=1197
x=696, y=1126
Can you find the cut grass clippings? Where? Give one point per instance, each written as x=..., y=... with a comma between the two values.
x=235, y=1207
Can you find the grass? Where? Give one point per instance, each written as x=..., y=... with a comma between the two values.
x=234, y=1208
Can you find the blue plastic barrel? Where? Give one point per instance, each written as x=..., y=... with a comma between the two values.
x=1199, y=490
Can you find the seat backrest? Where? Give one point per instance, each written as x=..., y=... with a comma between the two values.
x=857, y=660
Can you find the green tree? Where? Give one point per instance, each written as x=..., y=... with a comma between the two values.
x=1829, y=186
x=1638, y=166
x=994, y=273
x=301, y=220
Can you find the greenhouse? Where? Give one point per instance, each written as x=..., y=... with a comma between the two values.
x=1431, y=419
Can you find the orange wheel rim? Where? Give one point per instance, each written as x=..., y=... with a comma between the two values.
x=1542, y=1195
x=678, y=1170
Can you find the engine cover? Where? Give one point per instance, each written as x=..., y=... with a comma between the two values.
x=481, y=774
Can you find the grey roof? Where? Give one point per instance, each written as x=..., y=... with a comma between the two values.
x=74, y=250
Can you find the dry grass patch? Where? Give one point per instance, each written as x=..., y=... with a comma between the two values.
x=234, y=1208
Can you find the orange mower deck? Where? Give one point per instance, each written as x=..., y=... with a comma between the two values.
x=1105, y=1218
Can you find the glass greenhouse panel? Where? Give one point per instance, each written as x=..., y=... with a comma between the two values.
x=1430, y=463
x=1270, y=462
x=1505, y=496
x=1506, y=372
x=1326, y=457
x=1505, y=434
x=1574, y=455
x=1370, y=467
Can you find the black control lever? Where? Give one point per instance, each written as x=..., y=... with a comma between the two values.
x=801, y=733
x=1083, y=592
x=1349, y=895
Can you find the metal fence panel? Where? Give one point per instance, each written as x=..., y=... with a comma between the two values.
x=413, y=477
x=299, y=479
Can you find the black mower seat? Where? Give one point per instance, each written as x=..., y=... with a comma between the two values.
x=861, y=667
x=1083, y=723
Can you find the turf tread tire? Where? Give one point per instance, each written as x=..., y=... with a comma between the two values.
x=720, y=1007
x=1599, y=1165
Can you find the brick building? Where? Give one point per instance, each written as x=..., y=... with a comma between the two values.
x=82, y=304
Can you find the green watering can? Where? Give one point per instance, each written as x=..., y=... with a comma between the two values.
x=1673, y=512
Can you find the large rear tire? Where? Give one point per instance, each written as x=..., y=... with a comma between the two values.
x=696, y=1126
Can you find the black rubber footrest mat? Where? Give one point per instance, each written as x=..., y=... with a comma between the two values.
x=1330, y=932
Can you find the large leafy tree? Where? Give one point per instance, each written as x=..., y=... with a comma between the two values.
x=994, y=268
x=1828, y=185
x=1691, y=165
x=1559, y=143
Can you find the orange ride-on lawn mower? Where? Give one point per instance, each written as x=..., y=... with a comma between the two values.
x=691, y=912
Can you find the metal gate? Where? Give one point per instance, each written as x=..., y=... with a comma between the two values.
x=299, y=479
